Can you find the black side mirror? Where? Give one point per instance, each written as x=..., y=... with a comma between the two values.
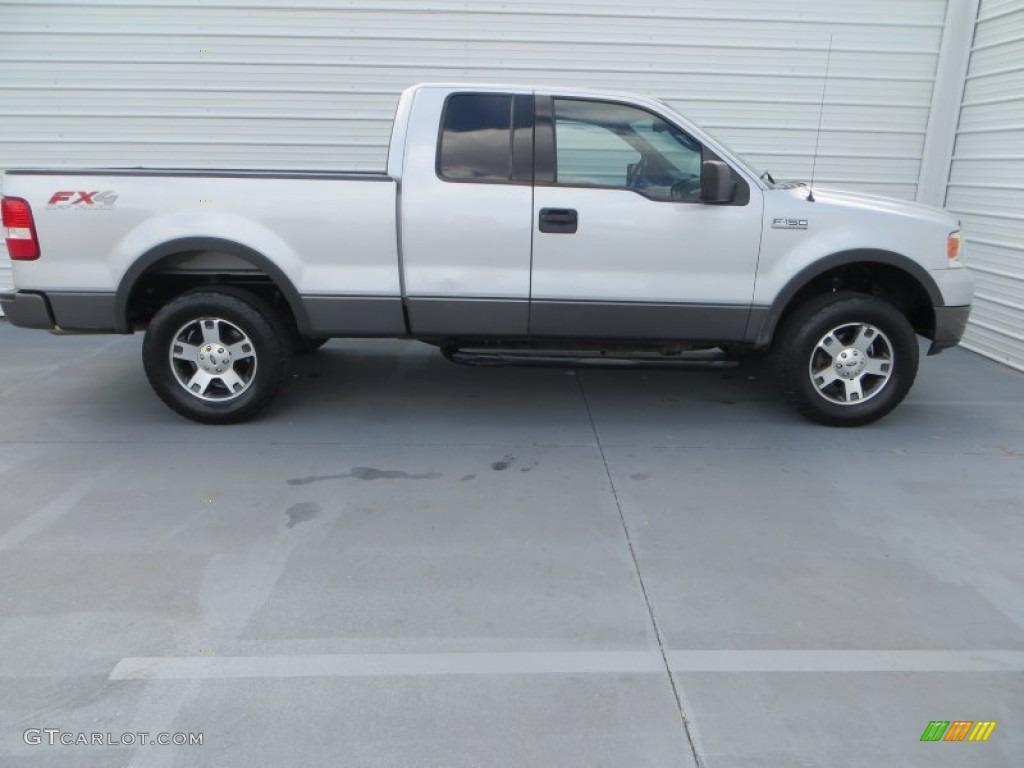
x=716, y=182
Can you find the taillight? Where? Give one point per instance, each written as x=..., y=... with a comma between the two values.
x=22, y=243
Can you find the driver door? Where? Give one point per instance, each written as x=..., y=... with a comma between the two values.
x=622, y=246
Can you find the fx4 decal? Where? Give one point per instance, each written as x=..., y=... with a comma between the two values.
x=82, y=200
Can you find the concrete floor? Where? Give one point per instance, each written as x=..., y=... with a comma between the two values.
x=411, y=563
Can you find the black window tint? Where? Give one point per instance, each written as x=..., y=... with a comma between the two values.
x=522, y=139
x=476, y=141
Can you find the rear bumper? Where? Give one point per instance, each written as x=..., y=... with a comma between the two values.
x=58, y=310
x=950, y=323
x=27, y=310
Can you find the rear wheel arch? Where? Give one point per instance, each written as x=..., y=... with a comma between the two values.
x=885, y=274
x=152, y=258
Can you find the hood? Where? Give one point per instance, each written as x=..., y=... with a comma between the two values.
x=845, y=198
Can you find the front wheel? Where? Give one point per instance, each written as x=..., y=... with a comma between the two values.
x=216, y=356
x=845, y=359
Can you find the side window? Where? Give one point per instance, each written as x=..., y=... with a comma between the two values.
x=591, y=154
x=476, y=138
x=605, y=144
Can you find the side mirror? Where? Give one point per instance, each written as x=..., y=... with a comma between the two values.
x=716, y=182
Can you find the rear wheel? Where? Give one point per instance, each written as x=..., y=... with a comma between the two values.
x=216, y=356
x=845, y=359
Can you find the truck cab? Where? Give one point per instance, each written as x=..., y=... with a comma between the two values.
x=570, y=217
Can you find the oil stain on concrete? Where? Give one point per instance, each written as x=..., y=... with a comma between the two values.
x=302, y=512
x=365, y=473
x=501, y=466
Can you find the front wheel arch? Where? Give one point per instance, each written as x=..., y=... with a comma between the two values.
x=884, y=274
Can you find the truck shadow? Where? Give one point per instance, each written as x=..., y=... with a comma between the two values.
x=415, y=382
x=57, y=389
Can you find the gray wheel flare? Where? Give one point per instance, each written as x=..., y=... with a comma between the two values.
x=851, y=364
x=213, y=359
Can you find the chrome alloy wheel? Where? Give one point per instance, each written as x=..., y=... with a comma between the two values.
x=213, y=359
x=851, y=363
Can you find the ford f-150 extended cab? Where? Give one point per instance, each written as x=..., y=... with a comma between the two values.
x=511, y=220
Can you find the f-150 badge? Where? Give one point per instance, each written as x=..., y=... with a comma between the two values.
x=789, y=223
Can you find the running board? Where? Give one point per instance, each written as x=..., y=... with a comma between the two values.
x=547, y=358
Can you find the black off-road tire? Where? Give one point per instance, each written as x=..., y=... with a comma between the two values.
x=239, y=316
x=796, y=345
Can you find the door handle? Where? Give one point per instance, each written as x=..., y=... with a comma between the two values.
x=563, y=221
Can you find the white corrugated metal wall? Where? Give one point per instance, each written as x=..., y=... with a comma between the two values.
x=255, y=83
x=986, y=183
x=262, y=83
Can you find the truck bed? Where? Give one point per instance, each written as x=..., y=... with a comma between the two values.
x=333, y=235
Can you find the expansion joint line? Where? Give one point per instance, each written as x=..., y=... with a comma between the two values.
x=683, y=717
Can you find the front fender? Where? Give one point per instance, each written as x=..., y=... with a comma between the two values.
x=764, y=319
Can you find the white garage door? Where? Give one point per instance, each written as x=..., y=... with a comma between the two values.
x=313, y=84
x=986, y=185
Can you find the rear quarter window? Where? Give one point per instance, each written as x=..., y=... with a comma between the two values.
x=476, y=138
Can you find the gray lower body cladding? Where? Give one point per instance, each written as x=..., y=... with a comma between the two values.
x=484, y=318
x=87, y=312
x=950, y=324
x=27, y=310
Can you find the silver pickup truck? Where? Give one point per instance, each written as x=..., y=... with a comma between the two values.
x=511, y=221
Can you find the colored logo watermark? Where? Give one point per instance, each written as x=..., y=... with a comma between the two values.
x=958, y=730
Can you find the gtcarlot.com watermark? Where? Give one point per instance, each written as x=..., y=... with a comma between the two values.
x=57, y=737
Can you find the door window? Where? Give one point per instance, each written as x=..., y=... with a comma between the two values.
x=605, y=144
